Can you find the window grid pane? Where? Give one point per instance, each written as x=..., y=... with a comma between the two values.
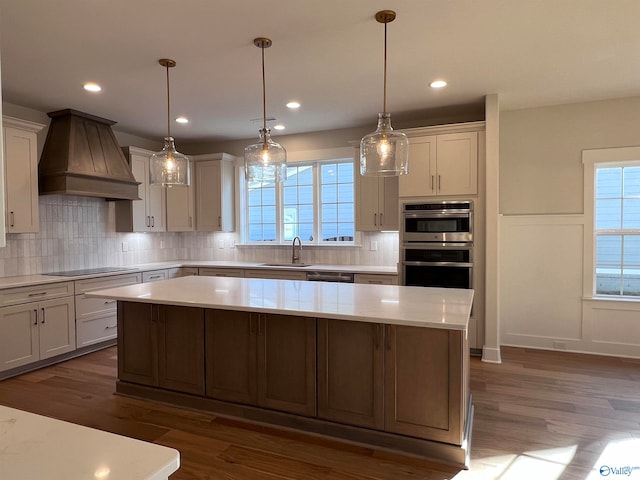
x=297, y=219
x=617, y=231
x=261, y=216
x=337, y=202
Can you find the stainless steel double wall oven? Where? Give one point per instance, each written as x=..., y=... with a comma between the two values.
x=437, y=244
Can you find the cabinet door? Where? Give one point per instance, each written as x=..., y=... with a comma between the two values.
x=137, y=343
x=19, y=343
x=208, y=209
x=350, y=372
x=141, y=218
x=57, y=327
x=287, y=363
x=180, y=207
x=367, y=206
x=388, y=204
x=423, y=378
x=421, y=179
x=157, y=208
x=457, y=163
x=181, y=349
x=231, y=364
x=21, y=167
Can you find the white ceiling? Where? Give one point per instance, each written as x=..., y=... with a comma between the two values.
x=327, y=54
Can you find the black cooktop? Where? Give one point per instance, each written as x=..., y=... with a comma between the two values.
x=87, y=271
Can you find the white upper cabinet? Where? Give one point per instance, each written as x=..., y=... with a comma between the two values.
x=21, y=174
x=443, y=164
x=376, y=201
x=181, y=208
x=149, y=213
x=215, y=190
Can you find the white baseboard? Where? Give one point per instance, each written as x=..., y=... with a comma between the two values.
x=491, y=355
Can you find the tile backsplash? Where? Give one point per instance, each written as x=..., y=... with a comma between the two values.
x=79, y=232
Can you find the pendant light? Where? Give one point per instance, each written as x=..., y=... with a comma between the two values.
x=169, y=167
x=265, y=161
x=384, y=152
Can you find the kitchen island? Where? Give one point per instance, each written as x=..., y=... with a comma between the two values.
x=33, y=446
x=378, y=365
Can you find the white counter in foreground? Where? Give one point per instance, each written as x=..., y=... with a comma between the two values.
x=37, y=447
x=443, y=308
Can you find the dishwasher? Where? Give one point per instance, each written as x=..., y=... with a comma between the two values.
x=341, y=277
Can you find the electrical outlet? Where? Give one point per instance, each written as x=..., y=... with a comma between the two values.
x=373, y=246
x=559, y=345
x=221, y=243
x=232, y=243
x=161, y=243
x=125, y=247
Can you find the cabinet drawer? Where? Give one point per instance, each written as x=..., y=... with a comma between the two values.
x=154, y=276
x=374, y=279
x=96, y=329
x=100, y=283
x=188, y=271
x=15, y=296
x=87, y=307
x=221, y=272
x=276, y=274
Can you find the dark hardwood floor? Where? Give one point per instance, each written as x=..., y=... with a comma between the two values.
x=539, y=415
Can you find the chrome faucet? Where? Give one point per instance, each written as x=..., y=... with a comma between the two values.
x=296, y=253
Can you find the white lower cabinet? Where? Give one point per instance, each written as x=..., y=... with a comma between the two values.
x=96, y=318
x=375, y=279
x=275, y=274
x=36, y=331
x=220, y=272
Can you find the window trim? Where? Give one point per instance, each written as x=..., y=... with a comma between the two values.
x=316, y=158
x=592, y=159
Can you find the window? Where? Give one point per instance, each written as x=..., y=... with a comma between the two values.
x=617, y=229
x=315, y=203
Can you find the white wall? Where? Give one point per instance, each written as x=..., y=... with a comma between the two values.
x=543, y=228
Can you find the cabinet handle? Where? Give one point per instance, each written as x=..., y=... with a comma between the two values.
x=153, y=221
x=13, y=218
x=35, y=310
x=155, y=277
x=43, y=315
x=110, y=327
x=381, y=219
x=219, y=221
x=433, y=179
x=375, y=282
x=38, y=294
x=107, y=302
x=148, y=221
x=375, y=219
x=439, y=182
x=190, y=221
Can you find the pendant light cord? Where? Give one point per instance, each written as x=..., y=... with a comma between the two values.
x=168, y=106
x=264, y=95
x=384, y=95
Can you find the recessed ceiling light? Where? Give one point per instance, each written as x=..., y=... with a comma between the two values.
x=438, y=84
x=92, y=87
x=182, y=120
x=293, y=105
x=279, y=127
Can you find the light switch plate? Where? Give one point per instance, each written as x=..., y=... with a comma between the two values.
x=221, y=243
x=125, y=247
x=373, y=246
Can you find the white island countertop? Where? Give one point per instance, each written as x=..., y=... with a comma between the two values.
x=37, y=447
x=444, y=308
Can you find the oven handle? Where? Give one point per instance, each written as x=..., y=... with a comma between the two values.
x=438, y=264
x=433, y=214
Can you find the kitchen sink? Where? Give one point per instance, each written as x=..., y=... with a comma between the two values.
x=285, y=264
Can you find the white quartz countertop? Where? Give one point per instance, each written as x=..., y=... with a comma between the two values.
x=37, y=447
x=445, y=308
x=39, y=279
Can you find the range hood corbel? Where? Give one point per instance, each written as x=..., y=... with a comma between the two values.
x=81, y=156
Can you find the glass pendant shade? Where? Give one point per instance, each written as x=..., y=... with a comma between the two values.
x=265, y=161
x=384, y=152
x=169, y=167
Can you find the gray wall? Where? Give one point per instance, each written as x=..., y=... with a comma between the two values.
x=541, y=152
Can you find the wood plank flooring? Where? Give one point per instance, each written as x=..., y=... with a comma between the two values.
x=539, y=415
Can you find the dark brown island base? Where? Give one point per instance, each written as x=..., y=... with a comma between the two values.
x=379, y=365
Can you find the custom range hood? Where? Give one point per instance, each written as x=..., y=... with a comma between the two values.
x=81, y=156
